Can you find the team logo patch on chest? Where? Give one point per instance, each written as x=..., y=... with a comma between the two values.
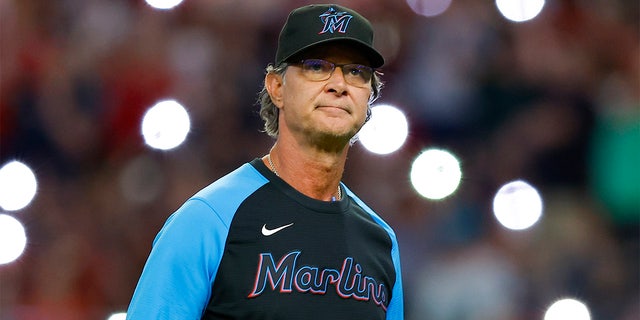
x=288, y=276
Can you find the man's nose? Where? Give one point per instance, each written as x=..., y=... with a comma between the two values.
x=337, y=82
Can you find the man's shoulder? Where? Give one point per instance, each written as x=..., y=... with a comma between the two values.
x=229, y=191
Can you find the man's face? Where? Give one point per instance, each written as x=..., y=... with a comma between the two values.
x=323, y=113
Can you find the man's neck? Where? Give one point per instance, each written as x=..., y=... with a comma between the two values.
x=312, y=172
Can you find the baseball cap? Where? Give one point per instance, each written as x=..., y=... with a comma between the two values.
x=316, y=24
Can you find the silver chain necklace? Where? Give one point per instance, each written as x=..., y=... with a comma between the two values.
x=273, y=168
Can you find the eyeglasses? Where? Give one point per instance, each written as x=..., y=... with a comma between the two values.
x=320, y=70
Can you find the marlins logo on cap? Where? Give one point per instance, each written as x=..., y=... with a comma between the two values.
x=335, y=21
x=317, y=24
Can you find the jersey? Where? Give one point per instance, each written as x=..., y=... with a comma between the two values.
x=249, y=246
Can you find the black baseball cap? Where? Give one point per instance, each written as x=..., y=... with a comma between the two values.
x=316, y=24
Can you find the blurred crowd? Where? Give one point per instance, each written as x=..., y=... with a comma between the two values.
x=554, y=101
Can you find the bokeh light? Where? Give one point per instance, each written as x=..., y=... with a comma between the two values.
x=118, y=316
x=520, y=10
x=567, y=308
x=386, y=131
x=429, y=8
x=142, y=180
x=435, y=174
x=13, y=239
x=163, y=4
x=517, y=205
x=165, y=125
x=18, y=186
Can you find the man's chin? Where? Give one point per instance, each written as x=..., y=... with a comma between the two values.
x=331, y=141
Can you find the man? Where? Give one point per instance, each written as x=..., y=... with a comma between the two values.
x=281, y=237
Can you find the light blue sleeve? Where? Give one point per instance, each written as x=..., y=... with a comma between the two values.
x=177, y=277
x=179, y=273
x=395, y=310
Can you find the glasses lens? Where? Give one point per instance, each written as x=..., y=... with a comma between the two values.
x=317, y=69
x=357, y=74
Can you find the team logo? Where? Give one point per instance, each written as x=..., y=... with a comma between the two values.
x=288, y=275
x=335, y=21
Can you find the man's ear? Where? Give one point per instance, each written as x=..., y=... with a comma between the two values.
x=273, y=82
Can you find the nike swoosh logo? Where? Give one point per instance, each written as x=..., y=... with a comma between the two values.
x=268, y=232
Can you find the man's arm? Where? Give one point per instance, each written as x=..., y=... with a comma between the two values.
x=395, y=310
x=177, y=278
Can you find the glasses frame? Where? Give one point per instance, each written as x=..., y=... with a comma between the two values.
x=350, y=66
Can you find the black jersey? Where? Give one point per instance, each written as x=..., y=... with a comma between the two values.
x=249, y=246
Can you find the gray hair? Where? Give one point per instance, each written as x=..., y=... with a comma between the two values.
x=269, y=111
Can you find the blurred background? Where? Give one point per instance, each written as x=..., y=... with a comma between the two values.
x=553, y=100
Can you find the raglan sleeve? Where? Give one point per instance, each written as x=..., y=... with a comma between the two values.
x=395, y=310
x=179, y=272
